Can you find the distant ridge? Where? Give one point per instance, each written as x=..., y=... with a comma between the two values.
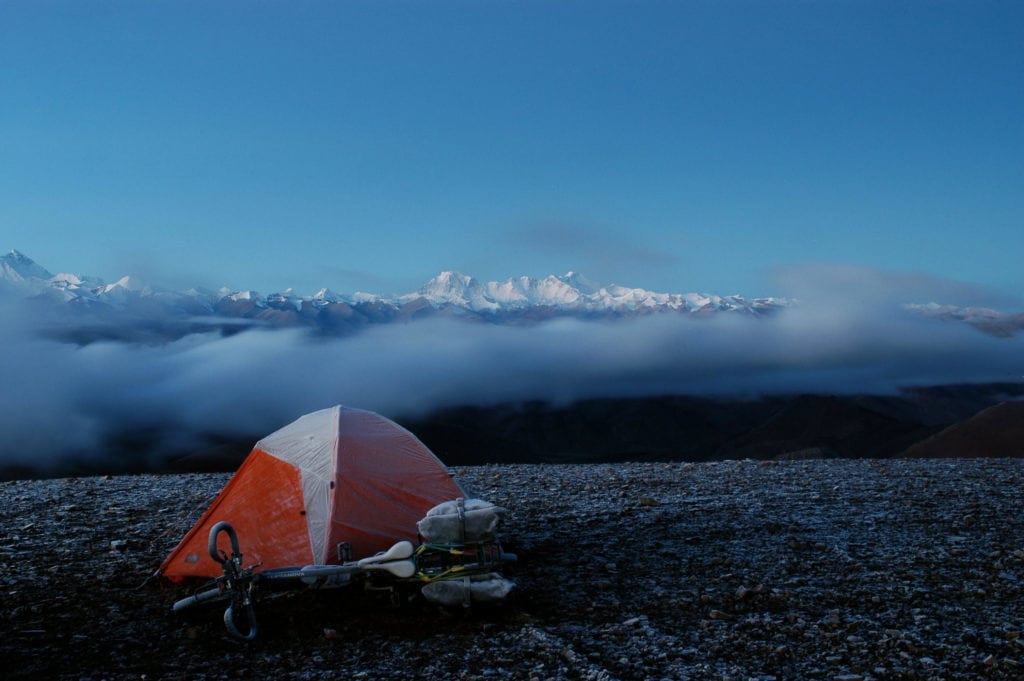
x=687, y=428
x=568, y=292
x=129, y=309
x=997, y=431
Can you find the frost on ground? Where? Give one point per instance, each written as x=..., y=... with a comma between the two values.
x=843, y=569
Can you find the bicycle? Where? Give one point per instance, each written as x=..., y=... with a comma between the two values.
x=465, y=571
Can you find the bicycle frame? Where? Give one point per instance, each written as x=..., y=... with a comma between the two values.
x=403, y=563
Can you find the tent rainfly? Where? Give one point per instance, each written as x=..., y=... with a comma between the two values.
x=335, y=475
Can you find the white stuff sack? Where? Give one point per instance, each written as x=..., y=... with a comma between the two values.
x=461, y=521
x=465, y=591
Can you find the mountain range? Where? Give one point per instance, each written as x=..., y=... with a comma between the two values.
x=129, y=309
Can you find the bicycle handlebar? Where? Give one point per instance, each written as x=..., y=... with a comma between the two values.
x=223, y=526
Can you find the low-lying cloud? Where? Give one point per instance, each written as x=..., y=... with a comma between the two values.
x=59, y=398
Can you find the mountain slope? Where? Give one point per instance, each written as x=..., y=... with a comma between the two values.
x=674, y=428
x=995, y=431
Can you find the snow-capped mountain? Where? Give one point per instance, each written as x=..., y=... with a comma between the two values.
x=572, y=293
x=16, y=268
x=120, y=309
x=567, y=293
x=990, y=321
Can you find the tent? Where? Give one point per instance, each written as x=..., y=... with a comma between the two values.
x=335, y=475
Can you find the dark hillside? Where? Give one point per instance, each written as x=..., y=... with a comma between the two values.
x=832, y=426
x=996, y=431
x=675, y=428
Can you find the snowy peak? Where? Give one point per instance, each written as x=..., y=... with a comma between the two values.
x=453, y=288
x=251, y=296
x=325, y=296
x=555, y=291
x=570, y=292
x=122, y=286
x=580, y=283
x=16, y=267
x=460, y=290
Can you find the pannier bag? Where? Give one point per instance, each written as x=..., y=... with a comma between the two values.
x=468, y=590
x=461, y=521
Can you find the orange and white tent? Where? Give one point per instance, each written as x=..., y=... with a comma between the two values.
x=335, y=475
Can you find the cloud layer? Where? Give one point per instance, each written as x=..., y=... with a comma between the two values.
x=847, y=335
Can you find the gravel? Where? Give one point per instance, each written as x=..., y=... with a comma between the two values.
x=841, y=570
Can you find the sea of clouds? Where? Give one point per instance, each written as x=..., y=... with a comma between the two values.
x=848, y=334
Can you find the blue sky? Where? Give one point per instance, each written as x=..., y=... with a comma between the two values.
x=366, y=146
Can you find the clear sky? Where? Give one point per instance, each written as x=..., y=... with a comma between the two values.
x=683, y=146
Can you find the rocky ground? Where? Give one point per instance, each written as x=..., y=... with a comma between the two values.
x=844, y=569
